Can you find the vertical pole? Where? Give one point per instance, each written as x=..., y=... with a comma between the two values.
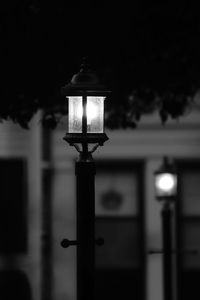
x=84, y=117
x=46, y=243
x=85, y=174
x=84, y=125
x=167, y=251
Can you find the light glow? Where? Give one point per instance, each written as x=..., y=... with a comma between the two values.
x=94, y=114
x=91, y=110
x=166, y=183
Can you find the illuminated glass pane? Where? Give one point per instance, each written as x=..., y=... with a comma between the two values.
x=166, y=184
x=95, y=114
x=75, y=114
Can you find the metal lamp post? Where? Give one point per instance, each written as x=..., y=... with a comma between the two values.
x=166, y=192
x=85, y=129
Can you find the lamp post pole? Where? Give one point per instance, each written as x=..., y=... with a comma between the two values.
x=167, y=249
x=85, y=176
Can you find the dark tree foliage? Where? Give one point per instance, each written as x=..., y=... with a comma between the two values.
x=147, y=55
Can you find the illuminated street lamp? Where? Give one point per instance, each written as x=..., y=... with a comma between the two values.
x=86, y=98
x=166, y=181
x=166, y=192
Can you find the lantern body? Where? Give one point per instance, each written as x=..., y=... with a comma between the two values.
x=89, y=111
x=86, y=97
x=165, y=185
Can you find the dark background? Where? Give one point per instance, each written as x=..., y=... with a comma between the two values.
x=147, y=49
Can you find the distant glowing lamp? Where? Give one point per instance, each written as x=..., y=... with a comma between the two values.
x=85, y=108
x=166, y=181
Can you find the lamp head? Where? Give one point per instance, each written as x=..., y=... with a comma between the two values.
x=166, y=181
x=86, y=96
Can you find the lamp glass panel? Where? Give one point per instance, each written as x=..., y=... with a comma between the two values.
x=75, y=114
x=95, y=114
x=166, y=184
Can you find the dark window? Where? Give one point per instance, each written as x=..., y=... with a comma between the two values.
x=188, y=230
x=13, y=225
x=14, y=285
x=119, y=220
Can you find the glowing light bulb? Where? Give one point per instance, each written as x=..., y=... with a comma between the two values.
x=166, y=182
x=80, y=111
x=92, y=112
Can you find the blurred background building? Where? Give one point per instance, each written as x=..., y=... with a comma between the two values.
x=37, y=210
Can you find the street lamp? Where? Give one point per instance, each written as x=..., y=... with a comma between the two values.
x=166, y=181
x=166, y=192
x=86, y=96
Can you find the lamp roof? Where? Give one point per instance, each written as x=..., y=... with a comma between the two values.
x=85, y=81
x=166, y=167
